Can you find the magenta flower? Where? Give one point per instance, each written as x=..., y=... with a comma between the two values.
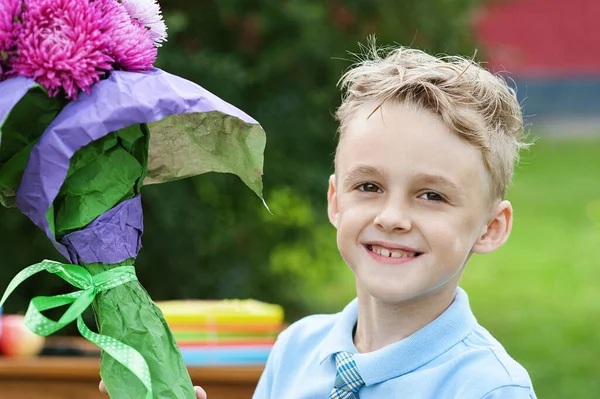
x=131, y=45
x=68, y=45
x=9, y=12
x=62, y=45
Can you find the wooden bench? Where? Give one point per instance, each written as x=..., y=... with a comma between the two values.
x=78, y=378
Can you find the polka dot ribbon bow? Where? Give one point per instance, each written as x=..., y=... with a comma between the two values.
x=89, y=287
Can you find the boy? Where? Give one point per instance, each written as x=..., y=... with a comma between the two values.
x=427, y=149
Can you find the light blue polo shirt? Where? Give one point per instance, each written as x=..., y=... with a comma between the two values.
x=452, y=357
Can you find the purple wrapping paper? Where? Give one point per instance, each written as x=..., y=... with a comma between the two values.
x=123, y=99
x=11, y=92
x=110, y=238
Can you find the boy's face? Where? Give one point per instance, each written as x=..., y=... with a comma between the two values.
x=411, y=203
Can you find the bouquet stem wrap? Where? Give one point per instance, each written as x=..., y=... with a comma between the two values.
x=128, y=314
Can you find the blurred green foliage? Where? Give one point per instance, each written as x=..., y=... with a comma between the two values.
x=210, y=237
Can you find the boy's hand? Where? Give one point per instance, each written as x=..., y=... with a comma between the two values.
x=200, y=393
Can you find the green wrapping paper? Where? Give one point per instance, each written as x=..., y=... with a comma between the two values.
x=103, y=174
x=128, y=314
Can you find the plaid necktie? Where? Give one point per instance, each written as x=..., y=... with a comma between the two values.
x=347, y=379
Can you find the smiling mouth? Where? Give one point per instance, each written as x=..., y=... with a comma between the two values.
x=392, y=253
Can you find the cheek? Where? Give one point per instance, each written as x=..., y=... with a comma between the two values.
x=450, y=236
x=346, y=242
x=342, y=245
x=349, y=226
x=460, y=244
x=352, y=221
x=353, y=217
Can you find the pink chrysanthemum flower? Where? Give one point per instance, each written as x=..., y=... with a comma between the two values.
x=62, y=44
x=131, y=47
x=10, y=10
x=147, y=13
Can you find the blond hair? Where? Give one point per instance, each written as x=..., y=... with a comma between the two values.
x=475, y=104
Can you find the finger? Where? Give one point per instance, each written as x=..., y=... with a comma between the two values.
x=102, y=388
x=200, y=393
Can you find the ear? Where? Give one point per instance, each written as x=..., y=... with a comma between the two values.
x=332, y=204
x=497, y=231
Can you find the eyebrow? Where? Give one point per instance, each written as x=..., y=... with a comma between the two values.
x=439, y=179
x=361, y=171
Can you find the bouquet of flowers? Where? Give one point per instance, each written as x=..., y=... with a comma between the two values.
x=85, y=122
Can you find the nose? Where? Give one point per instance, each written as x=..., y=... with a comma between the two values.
x=393, y=217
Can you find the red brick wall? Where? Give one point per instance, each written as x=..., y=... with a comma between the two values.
x=541, y=37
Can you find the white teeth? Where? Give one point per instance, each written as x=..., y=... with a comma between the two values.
x=391, y=254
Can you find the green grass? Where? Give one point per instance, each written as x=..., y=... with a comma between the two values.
x=540, y=294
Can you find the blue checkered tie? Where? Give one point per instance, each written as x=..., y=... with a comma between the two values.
x=347, y=379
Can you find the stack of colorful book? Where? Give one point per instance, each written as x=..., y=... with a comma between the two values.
x=227, y=332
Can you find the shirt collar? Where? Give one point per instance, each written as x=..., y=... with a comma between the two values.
x=340, y=337
x=406, y=355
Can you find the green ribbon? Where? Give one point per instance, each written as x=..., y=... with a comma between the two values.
x=89, y=287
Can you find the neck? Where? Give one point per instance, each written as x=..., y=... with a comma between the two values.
x=381, y=323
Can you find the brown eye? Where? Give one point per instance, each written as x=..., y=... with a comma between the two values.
x=432, y=196
x=368, y=188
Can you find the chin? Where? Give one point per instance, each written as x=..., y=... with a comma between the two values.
x=390, y=293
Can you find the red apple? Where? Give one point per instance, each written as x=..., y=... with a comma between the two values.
x=16, y=340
